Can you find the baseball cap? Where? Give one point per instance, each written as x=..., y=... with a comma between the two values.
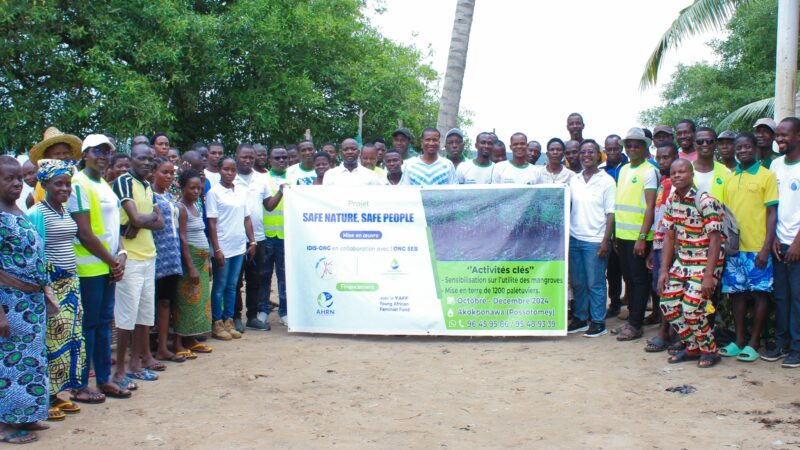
x=664, y=129
x=96, y=140
x=454, y=131
x=767, y=122
x=727, y=134
x=404, y=132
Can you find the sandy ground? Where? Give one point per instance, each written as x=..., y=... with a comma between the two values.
x=280, y=390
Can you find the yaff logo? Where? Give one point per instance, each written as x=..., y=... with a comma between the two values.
x=325, y=304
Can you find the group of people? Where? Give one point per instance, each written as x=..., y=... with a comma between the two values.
x=92, y=236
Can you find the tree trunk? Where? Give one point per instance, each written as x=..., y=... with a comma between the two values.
x=456, y=64
x=786, y=65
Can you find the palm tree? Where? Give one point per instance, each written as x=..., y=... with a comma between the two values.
x=456, y=64
x=705, y=15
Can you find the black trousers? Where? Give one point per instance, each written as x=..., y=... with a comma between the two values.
x=256, y=289
x=637, y=280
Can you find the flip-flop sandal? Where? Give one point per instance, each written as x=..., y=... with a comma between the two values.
x=144, y=375
x=95, y=398
x=176, y=358
x=188, y=354
x=748, y=354
x=628, y=333
x=675, y=347
x=201, y=348
x=118, y=394
x=708, y=360
x=19, y=434
x=65, y=405
x=55, y=415
x=683, y=356
x=731, y=350
x=157, y=367
x=656, y=345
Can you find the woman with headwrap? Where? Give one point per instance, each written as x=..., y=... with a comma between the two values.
x=64, y=339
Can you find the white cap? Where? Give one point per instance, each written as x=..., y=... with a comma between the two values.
x=767, y=122
x=96, y=140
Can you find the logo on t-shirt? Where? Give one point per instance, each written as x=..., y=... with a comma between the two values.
x=794, y=184
x=635, y=180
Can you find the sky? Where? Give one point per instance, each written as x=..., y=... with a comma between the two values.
x=531, y=63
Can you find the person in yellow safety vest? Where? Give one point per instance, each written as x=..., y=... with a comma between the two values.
x=101, y=261
x=636, y=195
x=709, y=175
x=273, y=226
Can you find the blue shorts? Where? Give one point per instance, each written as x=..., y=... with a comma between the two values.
x=742, y=275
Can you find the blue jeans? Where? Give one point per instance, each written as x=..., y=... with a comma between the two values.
x=787, y=303
x=588, y=280
x=223, y=289
x=97, y=299
x=276, y=263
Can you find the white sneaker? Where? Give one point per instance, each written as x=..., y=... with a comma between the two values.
x=285, y=320
x=262, y=316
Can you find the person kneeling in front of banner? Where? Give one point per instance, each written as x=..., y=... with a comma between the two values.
x=350, y=173
x=686, y=286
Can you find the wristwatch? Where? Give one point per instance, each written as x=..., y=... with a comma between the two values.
x=642, y=236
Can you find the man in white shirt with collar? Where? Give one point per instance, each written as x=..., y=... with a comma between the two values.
x=350, y=172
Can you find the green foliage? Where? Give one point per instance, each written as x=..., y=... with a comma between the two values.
x=255, y=70
x=745, y=73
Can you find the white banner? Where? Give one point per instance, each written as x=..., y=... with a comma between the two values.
x=461, y=260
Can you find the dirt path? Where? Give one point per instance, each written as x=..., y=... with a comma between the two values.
x=283, y=390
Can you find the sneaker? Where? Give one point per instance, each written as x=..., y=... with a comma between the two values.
x=255, y=324
x=262, y=316
x=595, y=330
x=792, y=361
x=238, y=325
x=285, y=320
x=577, y=325
x=774, y=354
x=218, y=331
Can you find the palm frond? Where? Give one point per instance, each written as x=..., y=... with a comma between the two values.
x=749, y=113
x=699, y=17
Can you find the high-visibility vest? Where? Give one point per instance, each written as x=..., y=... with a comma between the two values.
x=88, y=264
x=273, y=220
x=721, y=173
x=631, y=205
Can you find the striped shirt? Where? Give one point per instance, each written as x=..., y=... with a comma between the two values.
x=417, y=173
x=59, y=233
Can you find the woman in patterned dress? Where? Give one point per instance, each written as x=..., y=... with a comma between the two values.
x=168, y=259
x=24, y=384
x=65, y=346
x=193, y=309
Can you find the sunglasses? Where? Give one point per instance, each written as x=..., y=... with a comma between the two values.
x=704, y=141
x=98, y=151
x=280, y=158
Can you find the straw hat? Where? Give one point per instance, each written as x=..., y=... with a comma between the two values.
x=53, y=136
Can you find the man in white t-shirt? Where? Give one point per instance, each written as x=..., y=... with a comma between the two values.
x=518, y=170
x=303, y=172
x=479, y=170
x=350, y=172
x=254, y=185
x=215, y=152
x=786, y=257
x=593, y=194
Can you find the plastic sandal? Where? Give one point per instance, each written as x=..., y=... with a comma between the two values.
x=731, y=350
x=747, y=354
x=65, y=405
x=55, y=415
x=708, y=360
x=144, y=375
x=20, y=436
x=188, y=354
x=201, y=348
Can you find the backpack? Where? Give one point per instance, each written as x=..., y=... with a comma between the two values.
x=730, y=227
